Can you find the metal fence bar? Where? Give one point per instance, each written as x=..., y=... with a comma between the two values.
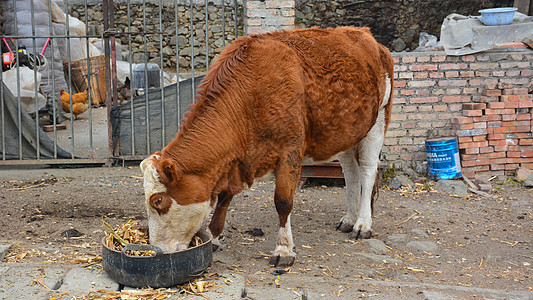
x=35, y=87
x=176, y=20
x=235, y=13
x=161, y=76
x=130, y=49
x=52, y=45
x=223, y=23
x=69, y=83
x=191, y=31
x=19, y=105
x=2, y=109
x=148, y=146
x=91, y=146
x=206, y=36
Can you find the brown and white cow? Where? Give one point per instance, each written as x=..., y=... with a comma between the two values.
x=269, y=101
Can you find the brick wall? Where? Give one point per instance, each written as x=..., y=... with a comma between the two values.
x=484, y=94
x=268, y=15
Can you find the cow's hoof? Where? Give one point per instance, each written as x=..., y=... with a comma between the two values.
x=217, y=244
x=361, y=234
x=281, y=261
x=344, y=227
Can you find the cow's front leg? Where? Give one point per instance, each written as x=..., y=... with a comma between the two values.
x=216, y=226
x=287, y=176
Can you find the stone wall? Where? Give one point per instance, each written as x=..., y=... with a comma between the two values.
x=398, y=21
x=169, y=37
x=431, y=89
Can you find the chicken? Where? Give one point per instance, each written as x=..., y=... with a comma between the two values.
x=80, y=102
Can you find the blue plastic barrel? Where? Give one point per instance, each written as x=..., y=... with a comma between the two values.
x=443, y=158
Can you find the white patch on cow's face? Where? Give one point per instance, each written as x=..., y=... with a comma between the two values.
x=173, y=230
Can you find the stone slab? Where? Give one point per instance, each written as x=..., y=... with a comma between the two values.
x=24, y=281
x=79, y=281
x=3, y=250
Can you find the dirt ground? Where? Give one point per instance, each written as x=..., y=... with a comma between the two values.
x=481, y=243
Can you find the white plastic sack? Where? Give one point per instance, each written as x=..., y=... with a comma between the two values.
x=27, y=87
x=427, y=42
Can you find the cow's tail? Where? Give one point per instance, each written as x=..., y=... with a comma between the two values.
x=388, y=66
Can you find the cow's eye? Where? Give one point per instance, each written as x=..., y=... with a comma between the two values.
x=158, y=201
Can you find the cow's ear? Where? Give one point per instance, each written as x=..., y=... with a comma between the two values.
x=169, y=172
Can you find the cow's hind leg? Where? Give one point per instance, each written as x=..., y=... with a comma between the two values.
x=369, y=150
x=287, y=176
x=350, y=168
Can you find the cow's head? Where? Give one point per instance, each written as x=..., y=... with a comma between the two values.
x=176, y=203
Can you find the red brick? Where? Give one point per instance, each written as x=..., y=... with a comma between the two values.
x=479, y=138
x=448, y=99
x=463, y=126
x=505, y=111
x=480, y=125
x=474, y=145
x=466, y=74
x=438, y=58
x=495, y=167
x=495, y=136
x=511, y=104
x=492, y=93
x=496, y=105
x=427, y=67
x=464, y=139
x=436, y=75
x=474, y=105
x=486, y=149
x=461, y=120
x=468, y=58
x=502, y=85
x=525, y=104
x=473, y=113
x=509, y=123
x=457, y=66
x=421, y=75
x=409, y=59
x=500, y=148
x=511, y=166
x=523, y=129
x=513, y=153
x=507, y=98
x=451, y=74
x=472, y=151
x=493, y=124
x=527, y=153
x=407, y=92
x=506, y=129
x=424, y=100
x=526, y=142
x=400, y=84
x=508, y=117
x=515, y=91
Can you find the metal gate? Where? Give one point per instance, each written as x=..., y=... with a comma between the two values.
x=130, y=69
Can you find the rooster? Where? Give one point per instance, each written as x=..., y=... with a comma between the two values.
x=80, y=102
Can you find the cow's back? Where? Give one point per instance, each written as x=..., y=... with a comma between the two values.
x=343, y=72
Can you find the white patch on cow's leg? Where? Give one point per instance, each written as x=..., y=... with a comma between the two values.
x=283, y=255
x=350, y=168
x=285, y=244
x=369, y=150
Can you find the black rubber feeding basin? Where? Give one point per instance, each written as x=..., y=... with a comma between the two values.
x=161, y=270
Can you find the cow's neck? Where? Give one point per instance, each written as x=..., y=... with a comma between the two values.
x=210, y=142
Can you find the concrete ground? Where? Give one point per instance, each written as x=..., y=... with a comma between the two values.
x=64, y=281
